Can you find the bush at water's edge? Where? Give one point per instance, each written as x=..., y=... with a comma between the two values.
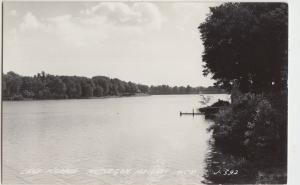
x=254, y=128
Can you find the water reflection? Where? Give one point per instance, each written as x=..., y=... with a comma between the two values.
x=223, y=167
x=88, y=136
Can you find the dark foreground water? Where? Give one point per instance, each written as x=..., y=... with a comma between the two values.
x=132, y=140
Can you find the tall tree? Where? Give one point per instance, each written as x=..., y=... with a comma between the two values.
x=246, y=43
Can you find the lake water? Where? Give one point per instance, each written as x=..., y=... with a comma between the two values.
x=130, y=140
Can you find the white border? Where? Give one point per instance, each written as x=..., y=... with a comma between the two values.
x=293, y=78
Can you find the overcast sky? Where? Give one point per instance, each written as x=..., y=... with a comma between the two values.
x=149, y=43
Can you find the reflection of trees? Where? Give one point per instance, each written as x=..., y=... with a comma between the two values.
x=222, y=167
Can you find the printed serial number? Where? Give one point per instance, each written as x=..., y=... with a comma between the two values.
x=226, y=172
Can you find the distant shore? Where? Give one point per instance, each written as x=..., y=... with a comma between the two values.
x=103, y=97
x=47, y=86
x=93, y=97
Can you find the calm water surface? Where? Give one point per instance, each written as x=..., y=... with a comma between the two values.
x=132, y=140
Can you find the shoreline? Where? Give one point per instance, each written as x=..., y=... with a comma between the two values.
x=83, y=98
x=104, y=97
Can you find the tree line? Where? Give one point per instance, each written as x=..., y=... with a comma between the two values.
x=47, y=86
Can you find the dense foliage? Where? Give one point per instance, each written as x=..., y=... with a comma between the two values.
x=46, y=86
x=253, y=127
x=247, y=43
x=250, y=135
x=246, y=52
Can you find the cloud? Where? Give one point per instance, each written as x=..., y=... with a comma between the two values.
x=118, y=12
x=150, y=15
x=146, y=15
x=29, y=22
x=115, y=20
x=191, y=13
x=75, y=31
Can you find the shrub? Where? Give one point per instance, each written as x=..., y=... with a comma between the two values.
x=28, y=94
x=251, y=127
x=17, y=97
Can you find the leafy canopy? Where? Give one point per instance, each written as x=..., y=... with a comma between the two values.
x=246, y=43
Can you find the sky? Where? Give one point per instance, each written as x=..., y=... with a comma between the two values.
x=151, y=43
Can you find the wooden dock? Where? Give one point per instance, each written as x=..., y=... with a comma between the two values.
x=209, y=112
x=190, y=113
